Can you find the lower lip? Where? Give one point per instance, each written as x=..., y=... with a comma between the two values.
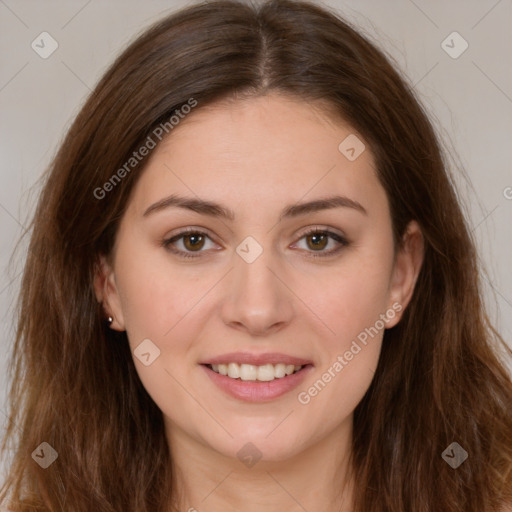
x=257, y=391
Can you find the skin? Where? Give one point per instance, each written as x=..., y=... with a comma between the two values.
x=255, y=156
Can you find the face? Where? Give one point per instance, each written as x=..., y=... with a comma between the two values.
x=282, y=282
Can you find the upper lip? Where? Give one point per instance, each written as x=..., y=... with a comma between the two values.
x=257, y=359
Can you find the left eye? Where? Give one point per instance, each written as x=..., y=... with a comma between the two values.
x=318, y=239
x=193, y=241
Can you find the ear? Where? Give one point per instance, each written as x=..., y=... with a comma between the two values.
x=407, y=266
x=106, y=292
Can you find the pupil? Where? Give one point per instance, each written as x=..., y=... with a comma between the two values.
x=318, y=238
x=195, y=239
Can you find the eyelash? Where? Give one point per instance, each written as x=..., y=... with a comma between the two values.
x=167, y=243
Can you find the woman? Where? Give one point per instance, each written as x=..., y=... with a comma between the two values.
x=250, y=287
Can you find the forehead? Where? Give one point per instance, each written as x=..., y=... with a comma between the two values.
x=260, y=151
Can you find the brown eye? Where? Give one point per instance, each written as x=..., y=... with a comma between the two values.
x=318, y=241
x=193, y=241
x=189, y=243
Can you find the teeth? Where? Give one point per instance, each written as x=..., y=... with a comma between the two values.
x=250, y=372
x=233, y=370
x=266, y=372
x=279, y=371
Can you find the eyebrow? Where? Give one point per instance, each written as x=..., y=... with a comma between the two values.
x=213, y=209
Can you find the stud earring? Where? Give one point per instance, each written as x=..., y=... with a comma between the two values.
x=110, y=320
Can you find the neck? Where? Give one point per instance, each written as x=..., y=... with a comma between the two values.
x=313, y=480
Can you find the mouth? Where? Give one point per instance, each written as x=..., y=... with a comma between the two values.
x=257, y=382
x=251, y=373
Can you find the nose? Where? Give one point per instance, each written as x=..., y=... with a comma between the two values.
x=258, y=300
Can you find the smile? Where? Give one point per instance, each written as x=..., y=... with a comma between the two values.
x=250, y=372
x=256, y=383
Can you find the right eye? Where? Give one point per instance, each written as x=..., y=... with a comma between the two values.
x=192, y=241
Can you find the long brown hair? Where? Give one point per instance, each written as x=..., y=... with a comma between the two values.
x=74, y=385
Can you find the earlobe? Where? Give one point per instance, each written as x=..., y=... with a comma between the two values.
x=408, y=262
x=106, y=292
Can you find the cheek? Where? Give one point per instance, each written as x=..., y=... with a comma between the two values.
x=155, y=295
x=352, y=302
x=353, y=305
x=338, y=388
x=159, y=316
x=353, y=310
x=163, y=305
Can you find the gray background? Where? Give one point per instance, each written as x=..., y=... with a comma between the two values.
x=469, y=99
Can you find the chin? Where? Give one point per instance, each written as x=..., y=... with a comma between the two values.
x=259, y=444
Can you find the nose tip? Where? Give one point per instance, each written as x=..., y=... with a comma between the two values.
x=257, y=326
x=258, y=301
